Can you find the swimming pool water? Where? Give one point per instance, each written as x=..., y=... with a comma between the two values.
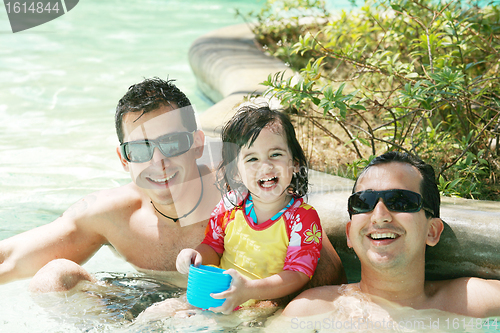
x=59, y=85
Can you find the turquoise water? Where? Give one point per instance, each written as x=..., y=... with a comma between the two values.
x=59, y=85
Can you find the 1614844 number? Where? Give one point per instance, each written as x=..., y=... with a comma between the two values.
x=32, y=7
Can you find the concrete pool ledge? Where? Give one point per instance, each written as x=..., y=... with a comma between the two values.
x=228, y=66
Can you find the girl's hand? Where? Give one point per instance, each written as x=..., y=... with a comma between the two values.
x=272, y=287
x=238, y=293
x=187, y=257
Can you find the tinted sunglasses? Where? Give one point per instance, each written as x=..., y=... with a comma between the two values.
x=395, y=200
x=170, y=145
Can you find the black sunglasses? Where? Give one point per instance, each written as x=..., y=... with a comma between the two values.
x=395, y=200
x=170, y=145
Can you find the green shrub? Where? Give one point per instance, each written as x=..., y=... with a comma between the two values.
x=418, y=76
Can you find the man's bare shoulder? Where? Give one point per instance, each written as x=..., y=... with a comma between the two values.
x=122, y=196
x=106, y=203
x=312, y=302
x=468, y=296
x=483, y=297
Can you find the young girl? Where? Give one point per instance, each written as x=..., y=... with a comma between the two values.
x=262, y=231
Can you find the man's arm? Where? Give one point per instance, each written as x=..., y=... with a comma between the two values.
x=482, y=298
x=312, y=302
x=71, y=236
x=330, y=270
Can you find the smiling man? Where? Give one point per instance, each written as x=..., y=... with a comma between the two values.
x=394, y=213
x=164, y=209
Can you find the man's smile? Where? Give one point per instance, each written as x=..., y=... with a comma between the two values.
x=385, y=235
x=163, y=180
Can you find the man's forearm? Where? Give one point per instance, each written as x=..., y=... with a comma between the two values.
x=9, y=270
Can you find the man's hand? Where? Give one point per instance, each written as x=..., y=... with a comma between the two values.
x=187, y=257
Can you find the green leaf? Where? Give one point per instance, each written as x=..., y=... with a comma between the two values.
x=364, y=142
x=396, y=7
x=338, y=93
x=343, y=108
x=358, y=107
x=411, y=75
x=454, y=182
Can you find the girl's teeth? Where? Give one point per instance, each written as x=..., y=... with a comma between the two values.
x=269, y=182
x=268, y=179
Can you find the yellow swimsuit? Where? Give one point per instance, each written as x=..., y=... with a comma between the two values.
x=291, y=242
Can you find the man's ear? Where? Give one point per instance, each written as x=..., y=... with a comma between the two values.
x=199, y=143
x=123, y=161
x=436, y=227
x=347, y=229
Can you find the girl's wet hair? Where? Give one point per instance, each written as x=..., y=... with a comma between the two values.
x=242, y=130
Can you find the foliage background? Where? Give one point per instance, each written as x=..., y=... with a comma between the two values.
x=418, y=76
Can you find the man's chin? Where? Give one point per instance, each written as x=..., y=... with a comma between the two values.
x=382, y=259
x=161, y=196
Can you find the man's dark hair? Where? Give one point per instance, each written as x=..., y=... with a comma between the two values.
x=428, y=186
x=243, y=129
x=150, y=95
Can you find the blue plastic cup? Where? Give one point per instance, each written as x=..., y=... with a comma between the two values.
x=203, y=281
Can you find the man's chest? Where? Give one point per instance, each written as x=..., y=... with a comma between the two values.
x=154, y=246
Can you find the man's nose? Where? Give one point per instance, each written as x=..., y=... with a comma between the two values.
x=158, y=156
x=381, y=213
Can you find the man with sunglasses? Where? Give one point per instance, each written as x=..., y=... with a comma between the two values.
x=148, y=221
x=394, y=212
